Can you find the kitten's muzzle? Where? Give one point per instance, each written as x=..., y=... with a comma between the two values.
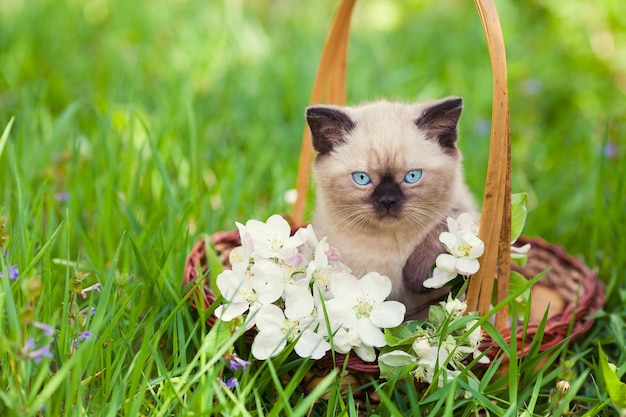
x=387, y=197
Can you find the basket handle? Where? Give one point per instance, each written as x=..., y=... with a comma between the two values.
x=330, y=87
x=329, y=84
x=495, y=221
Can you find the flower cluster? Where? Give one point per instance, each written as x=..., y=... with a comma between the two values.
x=464, y=248
x=294, y=288
x=431, y=352
x=30, y=349
x=234, y=363
x=81, y=317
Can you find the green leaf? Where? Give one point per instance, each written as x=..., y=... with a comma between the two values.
x=615, y=387
x=518, y=214
x=437, y=315
x=393, y=372
x=519, y=283
x=218, y=335
x=404, y=334
x=5, y=135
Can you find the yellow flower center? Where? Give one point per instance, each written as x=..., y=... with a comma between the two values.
x=363, y=308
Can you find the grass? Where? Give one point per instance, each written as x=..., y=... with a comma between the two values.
x=140, y=126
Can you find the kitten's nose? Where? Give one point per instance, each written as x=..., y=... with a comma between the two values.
x=387, y=202
x=387, y=196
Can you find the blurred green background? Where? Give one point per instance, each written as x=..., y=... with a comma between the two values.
x=157, y=116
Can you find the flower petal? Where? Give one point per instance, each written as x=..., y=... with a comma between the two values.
x=446, y=262
x=231, y=284
x=365, y=352
x=269, y=317
x=267, y=281
x=449, y=240
x=388, y=314
x=311, y=344
x=279, y=225
x=343, y=287
x=339, y=314
x=440, y=278
x=466, y=266
x=375, y=286
x=397, y=358
x=268, y=343
x=344, y=339
x=229, y=311
x=369, y=333
x=298, y=302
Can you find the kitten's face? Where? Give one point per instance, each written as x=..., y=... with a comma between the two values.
x=386, y=165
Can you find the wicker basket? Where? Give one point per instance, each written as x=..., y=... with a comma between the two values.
x=570, y=288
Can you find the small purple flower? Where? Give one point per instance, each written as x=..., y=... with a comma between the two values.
x=92, y=311
x=235, y=362
x=231, y=383
x=30, y=351
x=86, y=335
x=610, y=150
x=94, y=287
x=13, y=271
x=62, y=196
x=46, y=328
x=29, y=345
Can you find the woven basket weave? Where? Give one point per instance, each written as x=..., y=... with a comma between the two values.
x=569, y=287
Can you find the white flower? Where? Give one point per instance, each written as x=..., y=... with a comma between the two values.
x=239, y=257
x=462, y=224
x=429, y=363
x=444, y=272
x=345, y=340
x=454, y=307
x=519, y=255
x=290, y=196
x=295, y=289
x=464, y=248
x=277, y=328
x=475, y=336
x=421, y=346
x=360, y=305
x=271, y=239
x=426, y=366
x=474, y=340
x=323, y=268
x=262, y=284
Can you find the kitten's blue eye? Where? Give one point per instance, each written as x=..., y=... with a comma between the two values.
x=361, y=178
x=413, y=176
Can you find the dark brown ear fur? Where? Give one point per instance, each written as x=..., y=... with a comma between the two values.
x=329, y=126
x=440, y=120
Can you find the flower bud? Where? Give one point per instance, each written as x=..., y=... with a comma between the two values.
x=562, y=386
x=421, y=346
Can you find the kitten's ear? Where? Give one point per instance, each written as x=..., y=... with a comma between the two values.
x=439, y=121
x=329, y=126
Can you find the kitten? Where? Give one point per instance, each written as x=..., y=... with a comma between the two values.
x=387, y=176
